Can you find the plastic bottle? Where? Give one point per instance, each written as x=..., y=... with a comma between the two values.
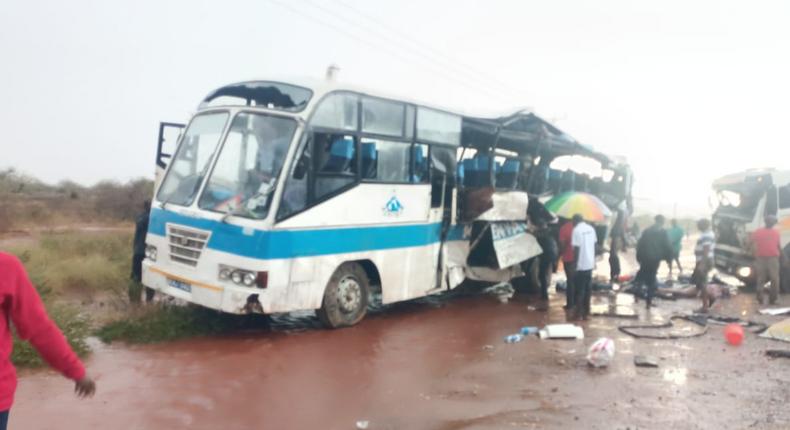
x=528, y=330
x=514, y=338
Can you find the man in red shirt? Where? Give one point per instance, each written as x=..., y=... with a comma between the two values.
x=22, y=306
x=767, y=249
x=568, y=262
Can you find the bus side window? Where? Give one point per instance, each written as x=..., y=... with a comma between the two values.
x=335, y=162
x=784, y=197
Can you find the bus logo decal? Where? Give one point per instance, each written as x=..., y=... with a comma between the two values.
x=393, y=207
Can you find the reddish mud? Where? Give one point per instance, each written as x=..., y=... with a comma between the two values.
x=436, y=364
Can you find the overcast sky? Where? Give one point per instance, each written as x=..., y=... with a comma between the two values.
x=686, y=90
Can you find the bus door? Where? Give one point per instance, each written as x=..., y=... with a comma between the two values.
x=443, y=166
x=169, y=135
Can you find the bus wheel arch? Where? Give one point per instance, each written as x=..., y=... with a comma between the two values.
x=346, y=296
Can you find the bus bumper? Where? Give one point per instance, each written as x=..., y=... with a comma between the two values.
x=213, y=295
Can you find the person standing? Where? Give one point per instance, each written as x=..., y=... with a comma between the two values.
x=568, y=262
x=703, y=251
x=138, y=255
x=583, y=241
x=676, y=234
x=766, y=245
x=616, y=244
x=652, y=248
x=22, y=306
x=546, y=261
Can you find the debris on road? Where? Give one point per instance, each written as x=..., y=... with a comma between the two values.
x=514, y=338
x=774, y=311
x=778, y=353
x=488, y=347
x=601, y=352
x=734, y=334
x=528, y=330
x=778, y=331
x=630, y=329
x=561, y=331
x=362, y=425
x=503, y=292
x=645, y=361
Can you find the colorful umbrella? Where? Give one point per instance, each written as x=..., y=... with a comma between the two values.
x=568, y=204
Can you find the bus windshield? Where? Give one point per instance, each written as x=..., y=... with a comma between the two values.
x=243, y=179
x=193, y=158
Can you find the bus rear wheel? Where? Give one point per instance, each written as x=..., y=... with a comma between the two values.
x=346, y=297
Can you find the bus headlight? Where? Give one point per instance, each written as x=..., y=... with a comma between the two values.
x=237, y=276
x=245, y=278
x=150, y=252
x=745, y=272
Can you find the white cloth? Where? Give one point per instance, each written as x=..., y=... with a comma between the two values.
x=584, y=238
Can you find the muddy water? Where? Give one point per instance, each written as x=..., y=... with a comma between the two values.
x=431, y=364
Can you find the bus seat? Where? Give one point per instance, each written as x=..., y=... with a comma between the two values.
x=539, y=180
x=370, y=158
x=582, y=182
x=340, y=155
x=507, y=175
x=419, y=164
x=555, y=180
x=480, y=178
x=596, y=186
x=470, y=171
x=568, y=181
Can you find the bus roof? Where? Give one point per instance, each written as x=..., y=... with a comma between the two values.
x=522, y=131
x=778, y=177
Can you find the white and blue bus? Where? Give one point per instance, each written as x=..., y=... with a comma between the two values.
x=286, y=196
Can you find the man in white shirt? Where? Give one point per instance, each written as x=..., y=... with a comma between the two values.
x=583, y=241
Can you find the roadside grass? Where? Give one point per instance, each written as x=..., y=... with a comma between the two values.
x=88, y=263
x=166, y=322
x=63, y=266
x=74, y=324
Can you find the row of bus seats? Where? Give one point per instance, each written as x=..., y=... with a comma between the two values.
x=558, y=181
x=341, y=155
x=474, y=172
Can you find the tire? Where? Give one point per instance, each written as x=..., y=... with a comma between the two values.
x=346, y=297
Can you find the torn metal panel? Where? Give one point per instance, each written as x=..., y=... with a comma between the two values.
x=513, y=243
x=507, y=206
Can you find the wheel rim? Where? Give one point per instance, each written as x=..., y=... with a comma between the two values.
x=350, y=294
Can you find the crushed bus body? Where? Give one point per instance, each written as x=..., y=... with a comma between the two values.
x=316, y=196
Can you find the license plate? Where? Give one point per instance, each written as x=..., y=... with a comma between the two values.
x=180, y=285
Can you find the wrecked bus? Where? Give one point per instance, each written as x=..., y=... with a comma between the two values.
x=320, y=196
x=743, y=200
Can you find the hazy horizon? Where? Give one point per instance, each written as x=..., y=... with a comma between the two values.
x=687, y=92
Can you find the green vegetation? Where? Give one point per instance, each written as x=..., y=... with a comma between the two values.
x=90, y=263
x=74, y=325
x=159, y=323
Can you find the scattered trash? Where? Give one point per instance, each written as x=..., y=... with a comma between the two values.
x=362, y=425
x=629, y=329
x=514, y=338
x=778, y=353
x=778, y=331
x=645, y=361
x=614, y=311
x=528, y=330
x=488, y=347
x=561, y=331
x=734, y=334
x=503, y=291
x=601, y=352
x=531, y=308
x=774, y=311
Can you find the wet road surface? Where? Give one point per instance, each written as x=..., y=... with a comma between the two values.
x=432, y=364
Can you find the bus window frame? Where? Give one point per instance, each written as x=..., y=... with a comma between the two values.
x=358, y=135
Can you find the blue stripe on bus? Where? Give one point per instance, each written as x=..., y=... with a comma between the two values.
x=274, y=244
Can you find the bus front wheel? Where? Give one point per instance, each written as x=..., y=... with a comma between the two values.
x=346, y=297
